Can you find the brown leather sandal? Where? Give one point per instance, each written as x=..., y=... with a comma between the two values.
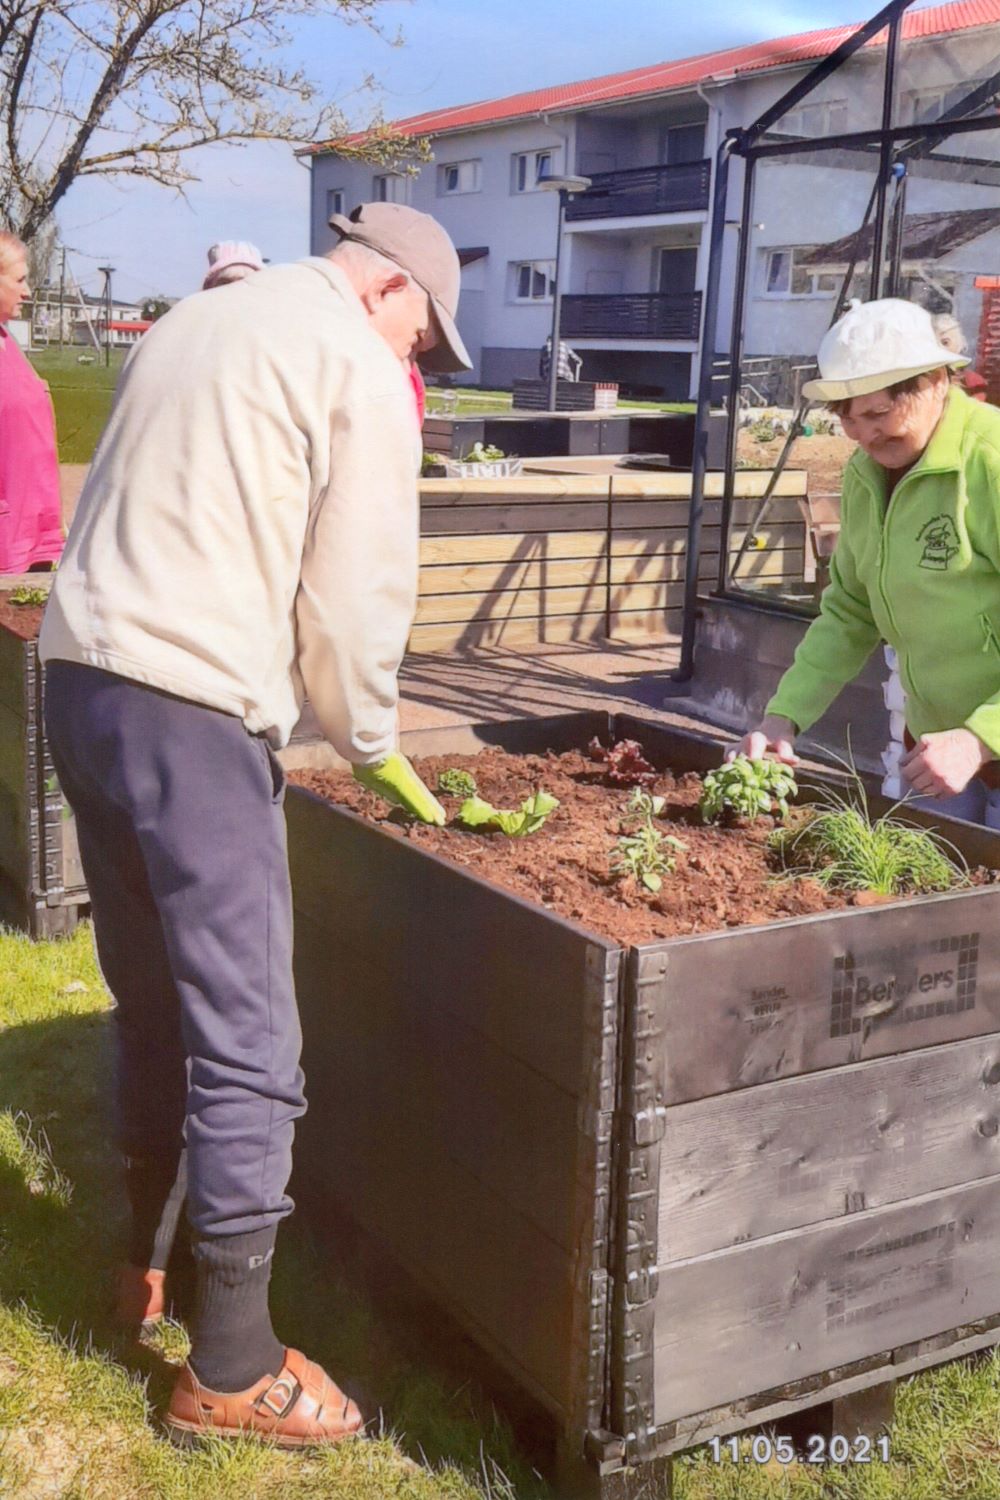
x=298, y=1408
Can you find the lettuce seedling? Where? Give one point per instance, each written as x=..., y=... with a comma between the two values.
x=528, y=818
x=625, y=762
x=25, y=594
x=745, y=788
x=456, y=783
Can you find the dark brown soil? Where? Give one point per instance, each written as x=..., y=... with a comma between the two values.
x=24, y=620
x=723, y=877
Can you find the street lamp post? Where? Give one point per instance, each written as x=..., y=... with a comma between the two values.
x=566, y=187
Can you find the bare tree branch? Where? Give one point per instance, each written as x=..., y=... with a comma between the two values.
x=130, y=88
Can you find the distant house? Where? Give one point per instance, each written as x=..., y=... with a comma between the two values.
x=126, y=323
x=635, y=250
x=124, y=332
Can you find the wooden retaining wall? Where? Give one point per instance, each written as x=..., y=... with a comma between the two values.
x=547, y=559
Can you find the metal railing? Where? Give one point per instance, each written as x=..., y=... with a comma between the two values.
x=644, y=190
x=632, y=315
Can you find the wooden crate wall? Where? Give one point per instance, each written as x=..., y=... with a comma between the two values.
x=548, y=559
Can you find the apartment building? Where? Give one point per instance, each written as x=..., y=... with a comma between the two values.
x=635, y=245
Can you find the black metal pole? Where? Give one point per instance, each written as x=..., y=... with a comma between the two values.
x=735, y=372
x=553, y=395
x=885, y=156
x=887, y=16
x=699, y=465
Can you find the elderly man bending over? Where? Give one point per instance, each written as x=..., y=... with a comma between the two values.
x=247, y=535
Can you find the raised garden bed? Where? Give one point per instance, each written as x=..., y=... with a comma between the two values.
x=677, y=1181
x=42, y=887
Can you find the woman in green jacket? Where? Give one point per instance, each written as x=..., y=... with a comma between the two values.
x=917, y=562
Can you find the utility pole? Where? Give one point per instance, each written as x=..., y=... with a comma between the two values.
x=107, y=272
x=62, y=298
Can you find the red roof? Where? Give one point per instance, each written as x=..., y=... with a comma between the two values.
x=658, y=78
x=137, y=325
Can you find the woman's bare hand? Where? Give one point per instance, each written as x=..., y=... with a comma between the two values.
x=773, y=739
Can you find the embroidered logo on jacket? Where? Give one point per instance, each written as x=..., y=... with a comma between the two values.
x=940, y=541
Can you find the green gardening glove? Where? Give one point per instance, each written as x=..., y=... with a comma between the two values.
x=395, y=780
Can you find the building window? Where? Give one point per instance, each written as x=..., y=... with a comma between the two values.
x=334, y=202
x=527, y=167
x=390, y=187
x=533, y=280
x=786, y=276
x=683, y=144
x=459, y=177
x=814, y=118
x=922, y=106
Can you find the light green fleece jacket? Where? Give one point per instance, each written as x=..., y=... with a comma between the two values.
x=922, y=573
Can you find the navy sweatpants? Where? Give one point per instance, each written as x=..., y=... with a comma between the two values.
x=182, y=838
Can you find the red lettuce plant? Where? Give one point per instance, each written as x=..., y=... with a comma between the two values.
x=625, y=763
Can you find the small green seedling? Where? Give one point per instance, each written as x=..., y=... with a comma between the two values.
x=516, y=824
x=28, y=595
x=843, y=847
x=745, y=788
x=485, y=453
x=642, y=852
x=455, y=783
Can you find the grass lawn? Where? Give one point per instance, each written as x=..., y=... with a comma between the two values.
x=81, y=395
x=471, y=401
x=78, y=1411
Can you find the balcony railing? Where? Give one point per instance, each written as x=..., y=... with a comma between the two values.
x=644, y=190
x=632, y=315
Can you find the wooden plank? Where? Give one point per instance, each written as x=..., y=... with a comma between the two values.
x=572, y=515
x=534, y=489
x=557, y=630
x=742, y=1166
x=545, y=603
x=749, y=483
x=835, y=1384
x=638, y=541
x=466, y=520
x=673, y=485
x=475, y=1103
x=14, y=809
x=799, y=996
x=785, y=562
x=12, y=669
x=653, y=567
x=455, y=548
x=746, y=1319
x=510, y=547
x=480, y=578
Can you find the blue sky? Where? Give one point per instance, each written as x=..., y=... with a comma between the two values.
x=455, y=51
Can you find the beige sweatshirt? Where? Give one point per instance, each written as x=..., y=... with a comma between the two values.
x=248, y=532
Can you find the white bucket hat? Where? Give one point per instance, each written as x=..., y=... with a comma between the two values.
x=874, y=345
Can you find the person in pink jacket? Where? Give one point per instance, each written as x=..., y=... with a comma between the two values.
x=31, y=534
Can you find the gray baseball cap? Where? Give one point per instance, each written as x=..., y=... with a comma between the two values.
x=418, y=244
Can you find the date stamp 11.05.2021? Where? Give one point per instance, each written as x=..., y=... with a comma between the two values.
x=815, y=1449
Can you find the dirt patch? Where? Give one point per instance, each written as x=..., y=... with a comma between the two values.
x=25, y=620
x=724, y=877
x=823, y=457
